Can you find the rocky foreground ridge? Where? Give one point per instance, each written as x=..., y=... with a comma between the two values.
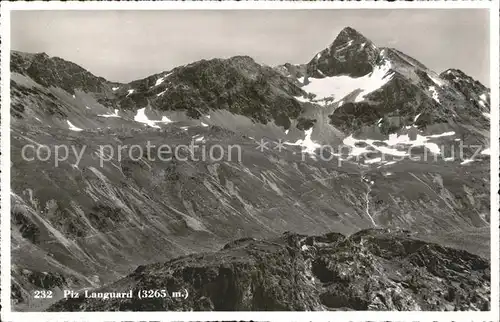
x=374, y=269
x=86, y=225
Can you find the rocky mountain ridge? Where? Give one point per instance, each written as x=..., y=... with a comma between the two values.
x=370, y=270
x=86, y=224
x=375, y=82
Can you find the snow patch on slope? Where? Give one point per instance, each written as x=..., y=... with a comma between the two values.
x=301, y=99
x=110, y=115
x=483, y=100
x=307, y=144
x=165, y=120
x=350, y=141
x=142, y=118
x=374, y=160
x=159, y=81
x=436, y=80
x=441, y=134
x=73, y=128
x=393, y=142
x=344, y=46
x=199, y=138
x=434, y=92
x=340, y=86
x=467, y=161
x=162, y=79
x=420, y=140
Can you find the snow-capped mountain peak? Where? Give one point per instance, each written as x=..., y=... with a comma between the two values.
x=350, y=54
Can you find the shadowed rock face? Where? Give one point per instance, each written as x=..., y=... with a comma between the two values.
x=238, y=85
x=413, y=97
x=57, y=72
x=475, y=92
x=86, y=225
x=370, y=270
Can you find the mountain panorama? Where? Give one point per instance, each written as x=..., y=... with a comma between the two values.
x=356, y=181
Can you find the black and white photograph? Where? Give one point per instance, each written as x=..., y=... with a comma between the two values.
x=250, y=160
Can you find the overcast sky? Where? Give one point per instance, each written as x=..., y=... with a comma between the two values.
x=127, y=45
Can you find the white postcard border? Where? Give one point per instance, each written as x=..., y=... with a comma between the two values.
x=7, y=315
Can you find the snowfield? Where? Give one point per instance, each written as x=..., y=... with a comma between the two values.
x=340, y=86
x=435, y=95
x=73, y=128
x=307, y=144
x=142, y=118
x=110, y=115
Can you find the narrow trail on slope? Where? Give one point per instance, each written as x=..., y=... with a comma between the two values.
x=367, y=198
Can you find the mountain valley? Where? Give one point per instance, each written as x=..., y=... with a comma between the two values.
x=359, y=180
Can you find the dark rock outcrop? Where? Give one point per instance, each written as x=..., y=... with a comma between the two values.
x=370, y=270
x=238, y=85
x=57, y=72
